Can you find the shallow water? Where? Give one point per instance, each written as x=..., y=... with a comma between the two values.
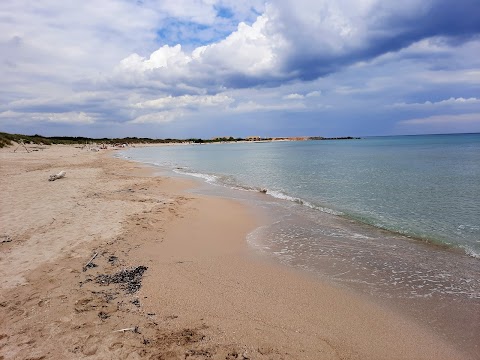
x=395, y=218
x=426, y=187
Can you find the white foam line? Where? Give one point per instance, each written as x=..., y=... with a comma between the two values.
x=469, y=251
x=211, y=179
x=282, y=196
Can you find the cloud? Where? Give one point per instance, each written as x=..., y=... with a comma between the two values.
x=164, y=57
x=297, y=96
x=252, y=106
x=444, y=120
x=314, y=93
x=275, y=48
x=243, y=58
x=171, y=108
x=342, y=33
x=72, y=117
x=186, y=101
x=154, y=62
x=294, y=96
x=464, y=76
x=442, y=103
x=157, y=117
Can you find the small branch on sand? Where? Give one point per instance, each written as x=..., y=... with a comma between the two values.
x=90, y=261
x=134, y=329
x=60, y=175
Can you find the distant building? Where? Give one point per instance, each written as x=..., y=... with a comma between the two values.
x=253, y=138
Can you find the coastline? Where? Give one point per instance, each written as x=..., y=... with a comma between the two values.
x=203, y=295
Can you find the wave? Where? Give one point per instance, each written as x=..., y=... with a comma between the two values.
x=469, y=251
x=230, y=182
x=283, y=196
x=211, y=179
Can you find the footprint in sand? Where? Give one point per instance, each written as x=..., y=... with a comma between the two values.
x=90, y=346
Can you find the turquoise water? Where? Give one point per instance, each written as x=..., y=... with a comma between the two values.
x=424, y=187
x=364, y=214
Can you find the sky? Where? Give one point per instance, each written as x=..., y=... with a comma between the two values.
x=207, y=68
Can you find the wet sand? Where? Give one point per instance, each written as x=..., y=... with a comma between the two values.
x=203, y=294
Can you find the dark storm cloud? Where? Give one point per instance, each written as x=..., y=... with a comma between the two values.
x=385, y=30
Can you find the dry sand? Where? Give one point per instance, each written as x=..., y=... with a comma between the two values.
x=204, y=295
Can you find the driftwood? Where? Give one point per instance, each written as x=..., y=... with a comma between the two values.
x=90, y=261
x=60, y=175
x=21, y=143
x=134, y=329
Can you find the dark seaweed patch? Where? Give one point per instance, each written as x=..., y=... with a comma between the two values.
x=129, y=280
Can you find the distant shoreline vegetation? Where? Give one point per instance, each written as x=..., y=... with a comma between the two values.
x=7, y=139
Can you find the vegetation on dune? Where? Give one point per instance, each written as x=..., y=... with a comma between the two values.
x=7, y=139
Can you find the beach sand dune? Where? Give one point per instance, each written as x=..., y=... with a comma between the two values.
x=173, y=277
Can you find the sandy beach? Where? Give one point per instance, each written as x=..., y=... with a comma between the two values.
x=172, y=276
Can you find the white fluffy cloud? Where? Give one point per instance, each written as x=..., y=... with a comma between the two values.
x=165, y=57
x=293, y=96
x=186, y=101
x=460, y=101
x=247, y=52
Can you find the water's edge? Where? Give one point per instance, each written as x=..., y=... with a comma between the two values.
x=419, y=278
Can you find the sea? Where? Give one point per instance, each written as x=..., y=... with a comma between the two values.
x=394, y=217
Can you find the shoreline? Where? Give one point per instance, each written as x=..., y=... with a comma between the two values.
x=203, y=294
x=434, y=240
